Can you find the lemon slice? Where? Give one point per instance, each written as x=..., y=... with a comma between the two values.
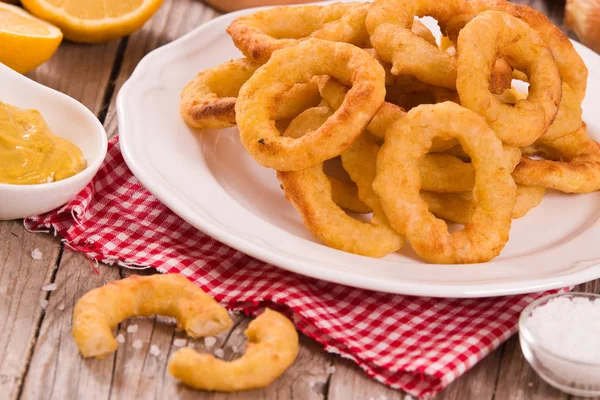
x=25, y=41
x=94, y=21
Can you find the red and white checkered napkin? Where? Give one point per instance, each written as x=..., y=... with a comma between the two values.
x=416, y=344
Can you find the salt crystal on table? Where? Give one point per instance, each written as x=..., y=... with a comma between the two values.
x=44, y=303
x=60, y=307
x=331, y=370
x=154, y=350
x=179, y=342
x=219, y=353
x=36, y=254
x=120, y=338
x=209, y=341
x=137, y=344
x=408, y=397
x=50, y=287
x=132, y=329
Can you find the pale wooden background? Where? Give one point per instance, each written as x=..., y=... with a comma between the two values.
x=38, y=358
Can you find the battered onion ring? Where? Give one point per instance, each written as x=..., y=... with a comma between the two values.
x=578, y=173
x=523, y=123
x=309, y=191
x=100, y=310
x=398, y=184
x=208, y=101
x=389, y=23
x=570, y=65
x=348, y=64
x=568, y=118
x=344, y=193
x=459, y=207
x=271, y=348
x=260, y=34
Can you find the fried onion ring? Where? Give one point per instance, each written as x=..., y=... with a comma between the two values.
x=271, y=348
x=398, y=184
x=459, y=207
x=298, y=64
x=389, y=24
x=100, y=310
x=260, y=34
x=523, y=123
x=570, y=65
x=568, y=118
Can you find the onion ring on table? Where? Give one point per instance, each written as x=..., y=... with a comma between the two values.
x=398, y=184
x=570, y=65
x=523, y=123
x=459, y=207
x=577, y=172
x=260, y=34
x=271, y=348
x=298, y=64
x=100, y=310
x=343, y=193
x=389, y=23
x=208, y=101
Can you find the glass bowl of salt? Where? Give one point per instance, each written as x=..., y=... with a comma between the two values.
x=560, y=338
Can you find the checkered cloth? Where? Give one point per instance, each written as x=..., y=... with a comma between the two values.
x=419, y=345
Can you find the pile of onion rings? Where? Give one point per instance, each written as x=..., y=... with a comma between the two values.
x=420, y=133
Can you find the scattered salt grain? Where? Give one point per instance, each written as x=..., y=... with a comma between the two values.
x=154, y=350
x=132, y=329
x=235, y=349
x=44, y=303
x=120, y=338
x=219, y=353
x=408, y=397
x=209, y=341
x=137, y=344
x=61, y=307
x=49, y=288
x=36, y=254
x=331, y=370
x=530, y=384
x=179, y=342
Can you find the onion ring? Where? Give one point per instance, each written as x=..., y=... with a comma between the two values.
x=509, y=37
x=298, y=64
x=398, y=184
x=271, y=348
x=570, y=65
x=389, y=23
x=100, y=310
x=260, y=34
x=568, y=118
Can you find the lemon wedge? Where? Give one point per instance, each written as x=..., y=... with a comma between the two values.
x=94, y=21
x=25, y=41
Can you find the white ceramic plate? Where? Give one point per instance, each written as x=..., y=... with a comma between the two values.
x=211, y=182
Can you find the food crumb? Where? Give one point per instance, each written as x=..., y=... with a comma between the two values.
x=44, y=303
x=137, y=344
x=209, y=341
x=36, y=254
x=49, y=288
x=235, y=349
x=132, y=329
x=120, y=338
x=61, y=307
x=154, y=350
x=179, y=342
x=331, y=370
x=219, y=353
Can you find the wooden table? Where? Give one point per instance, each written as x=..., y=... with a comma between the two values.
x=38, y=358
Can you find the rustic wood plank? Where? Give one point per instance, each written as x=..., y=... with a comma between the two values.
x=21, y=282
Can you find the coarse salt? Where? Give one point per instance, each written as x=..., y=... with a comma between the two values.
x=209, y=341
x=49, y=288
x=568, y=327
x=408, y=397
x=44, y=303
x=219, y=353
x=61, y=307
x=36, y=254
x=331, y=370
x=154, y=350
x=132, y=329
x=137, y=344
x=179, y=342
x=120, y=338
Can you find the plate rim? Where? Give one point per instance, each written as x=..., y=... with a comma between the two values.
x=342, y=277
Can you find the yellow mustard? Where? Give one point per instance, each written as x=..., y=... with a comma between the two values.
x=30, y=153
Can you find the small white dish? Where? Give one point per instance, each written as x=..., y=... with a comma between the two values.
x=66, y=118
x=566, y=374
x=210, y=180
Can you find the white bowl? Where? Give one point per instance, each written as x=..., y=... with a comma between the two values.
x=66, y=118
